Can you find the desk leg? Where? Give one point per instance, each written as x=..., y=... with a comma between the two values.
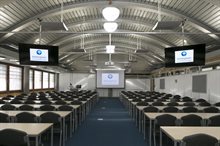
x=71, y=123
x=144, y=126
x=150, y=132
x=160, y=137
x=175, y=143
x=140, y=118
x=51, y=139
x=64, y=131
x=36, y=143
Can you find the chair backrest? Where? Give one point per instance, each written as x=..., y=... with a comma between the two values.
x=191, y=120
x=151, y=109
x=189, y=103
x=217, y=104
x=190, y=109
x=200, y=100
x=142, y=103
x=12, y=137
x=76, y=102
x=148, y=100
x=60, y=102
x=26, y=107
x=172, y=104
x=158, y=103
x=47, y=108
x=2, y=101
x=4, y=118
x=187, y=99
x=214, y=121
x=136, y=100
x=25, y=117
x=204, y=104
x=8, y=107
x=170, y=109
x=211, y=110
x=165, y=120
x=50, y=117
x=29, y=102
x=199, y=140
x=65, y=108
x=46, y=102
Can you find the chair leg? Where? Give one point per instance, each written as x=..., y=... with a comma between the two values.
x=61, y=134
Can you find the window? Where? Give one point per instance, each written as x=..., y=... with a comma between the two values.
x=45, y=80
x=52, y=79
x=31, y=79
x=37, y=79
x=15, y=78
x=3, y=77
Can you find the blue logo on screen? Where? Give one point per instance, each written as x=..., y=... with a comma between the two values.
x=110, y=76
x=184, y=53
x=39, y=52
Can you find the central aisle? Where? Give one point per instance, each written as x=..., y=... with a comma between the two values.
x=109, y=124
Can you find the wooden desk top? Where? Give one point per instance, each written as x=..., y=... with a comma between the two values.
x=179, y=107
x=32, y=129
x=177, y=133
x=152, y=116
x=63, y=114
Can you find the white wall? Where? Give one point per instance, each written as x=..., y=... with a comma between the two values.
x=182, y=85
x=88, y=82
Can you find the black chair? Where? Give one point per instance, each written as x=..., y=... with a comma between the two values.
x=4, y=118
x=187, y=99
x=12, y=137
x=189, y=103
x=200, y=100
x=173, y=104
x=163, y=120
x=25, y=117
x=190, y=109
x=8, y=107
x=158, y=103
x=50, y=117
x=204, y=104
x=45, y=102
x=60, y=102
x=214, y=121
x=136, y=100
x=15, y=101
x=76, y=102
x=2, y=101
x=199, y=140
x=217, y=104
x=148, y=100
x=65, y=108
x=151, y=109
x=142, y=103
x=191, y=120
x=211, y=109
x=170, y=109
x=29, y=102
x=26, y=107
x=47, y=108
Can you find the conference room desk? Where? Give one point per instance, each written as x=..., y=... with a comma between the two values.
x=140, y=117
x=177, y=133
x=62, y=114
x=32, y=129
x=152, y=117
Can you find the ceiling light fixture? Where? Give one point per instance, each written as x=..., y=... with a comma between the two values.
x=110, y=13
x=2, y=58
x=110, y=26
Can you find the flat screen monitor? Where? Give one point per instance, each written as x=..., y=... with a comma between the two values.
x=193, y=55
x=32, y=54
x=110, y=78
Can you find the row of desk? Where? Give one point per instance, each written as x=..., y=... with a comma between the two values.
x=36, y=129
x=176, y=133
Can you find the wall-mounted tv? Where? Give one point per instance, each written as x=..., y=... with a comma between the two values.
x=193, y=55
x=32, y=54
